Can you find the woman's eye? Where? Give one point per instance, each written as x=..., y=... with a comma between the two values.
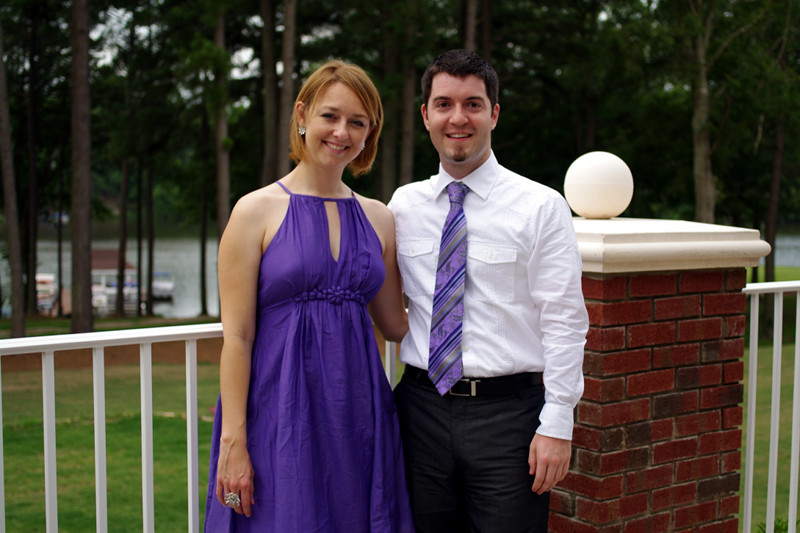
x=358, y=123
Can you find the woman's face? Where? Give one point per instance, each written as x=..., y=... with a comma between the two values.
x=336, y=127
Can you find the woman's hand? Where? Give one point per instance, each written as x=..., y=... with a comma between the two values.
x=235, y=475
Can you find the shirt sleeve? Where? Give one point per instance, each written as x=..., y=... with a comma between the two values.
x=554, y=274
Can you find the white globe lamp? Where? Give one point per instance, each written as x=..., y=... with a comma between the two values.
x=598, y=185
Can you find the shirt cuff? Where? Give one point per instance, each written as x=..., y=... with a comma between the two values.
x=556, y=421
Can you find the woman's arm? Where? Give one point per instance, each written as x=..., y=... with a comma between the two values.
x=239, y=260
x=387, y=309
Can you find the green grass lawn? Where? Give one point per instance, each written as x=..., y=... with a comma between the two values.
x=23, y=447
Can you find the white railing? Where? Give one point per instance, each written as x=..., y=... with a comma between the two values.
x=46, y=347
x=145, y=338
x=98, y=342
x=778, y=289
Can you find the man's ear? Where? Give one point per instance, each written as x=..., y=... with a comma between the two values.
x=425, y=116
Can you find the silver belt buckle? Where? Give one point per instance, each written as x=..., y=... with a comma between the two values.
x=473, y=389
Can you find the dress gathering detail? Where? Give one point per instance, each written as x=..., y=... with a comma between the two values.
x=322, y=429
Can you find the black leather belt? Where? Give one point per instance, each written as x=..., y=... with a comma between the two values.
x=495, y=386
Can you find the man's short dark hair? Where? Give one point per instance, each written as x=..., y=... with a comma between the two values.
x=460, y=64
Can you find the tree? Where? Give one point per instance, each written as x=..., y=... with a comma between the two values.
x=10, y=199
x=287, y=89
x=80, y=216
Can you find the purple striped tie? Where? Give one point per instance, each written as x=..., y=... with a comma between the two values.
x=444, y=362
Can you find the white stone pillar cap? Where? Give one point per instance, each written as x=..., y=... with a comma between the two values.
x=620, y=245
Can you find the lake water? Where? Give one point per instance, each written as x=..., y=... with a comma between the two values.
x=181, y=256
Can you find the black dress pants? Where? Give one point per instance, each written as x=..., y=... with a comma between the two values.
x=467, y=460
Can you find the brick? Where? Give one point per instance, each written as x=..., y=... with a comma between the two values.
x=598, y=439
x=732, y=417
x=651, y=334
x=650, y=524
x=597, y=512
x=676, y=355
x=605, y=339
x=610, y=364
x=669, y=405
x=613, y=414
x=716, y=487
x=562, y=502
x=729, y=505
x=665, y=452
x=598, y=488
x=677, y=307
x=695, y=514
x=603, y=390
x=723, y=396
x=702, y=281
x=722, y=350
x=653, y=285
x=694, y=377
x=605, y=289
x=648, y=432
x=651, y=382
x=720, y=441
x=601, y=464
x=730, y=525
x=735, y=326
x=698, y=468
x=696, y=423
x=619, y=313
x=724, y=304
x=733, y=372
x=736, y=280
x=576, y=525
x=633, y=505
x=699, y=329
x=730, y=462
x=649, y=479
x=674, y=496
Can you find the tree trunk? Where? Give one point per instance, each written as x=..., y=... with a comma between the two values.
x=410, y=115
x=486, y=31
x=204, y=143
x=151, y=234
x=704, y=187
x=470, y=24
x=771, y=226
x=31, y=112
x=80, y=216
x=221, y=136
x=269, y=170
x=10, y=204
x=391, y=110
x=119, y=306
x=287, y=90
x=139, y=234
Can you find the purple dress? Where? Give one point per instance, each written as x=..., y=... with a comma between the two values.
x=322, y=428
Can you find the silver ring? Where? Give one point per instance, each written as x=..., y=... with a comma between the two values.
x=232, y=500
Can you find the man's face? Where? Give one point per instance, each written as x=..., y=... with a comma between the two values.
x=460, y=120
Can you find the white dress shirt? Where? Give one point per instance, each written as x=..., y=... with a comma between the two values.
x=523, y=302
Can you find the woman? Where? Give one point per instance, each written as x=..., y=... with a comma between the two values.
x=305, y=433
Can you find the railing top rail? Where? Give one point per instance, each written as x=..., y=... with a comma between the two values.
x=772, y=287
x=74, y=341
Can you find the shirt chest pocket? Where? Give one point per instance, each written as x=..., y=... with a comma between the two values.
x=417, y=266
x=493, y=270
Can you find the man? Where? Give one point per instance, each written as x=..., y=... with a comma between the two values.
x=494, y=353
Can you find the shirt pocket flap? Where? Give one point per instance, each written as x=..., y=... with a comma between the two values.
x=492, y=254
x=415, y=248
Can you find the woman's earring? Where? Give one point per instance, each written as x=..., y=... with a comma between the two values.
x=301, y=130
x=363, y=145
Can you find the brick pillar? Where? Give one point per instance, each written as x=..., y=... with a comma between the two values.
x=657, y=438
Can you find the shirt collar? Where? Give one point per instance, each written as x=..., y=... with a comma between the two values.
x=480, y=181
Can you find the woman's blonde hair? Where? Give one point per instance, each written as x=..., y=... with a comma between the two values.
x=357, y=80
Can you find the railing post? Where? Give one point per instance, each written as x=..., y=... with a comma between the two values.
x=100, y=472
x=192, y=461
x=49, y=421
x=146, y=390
